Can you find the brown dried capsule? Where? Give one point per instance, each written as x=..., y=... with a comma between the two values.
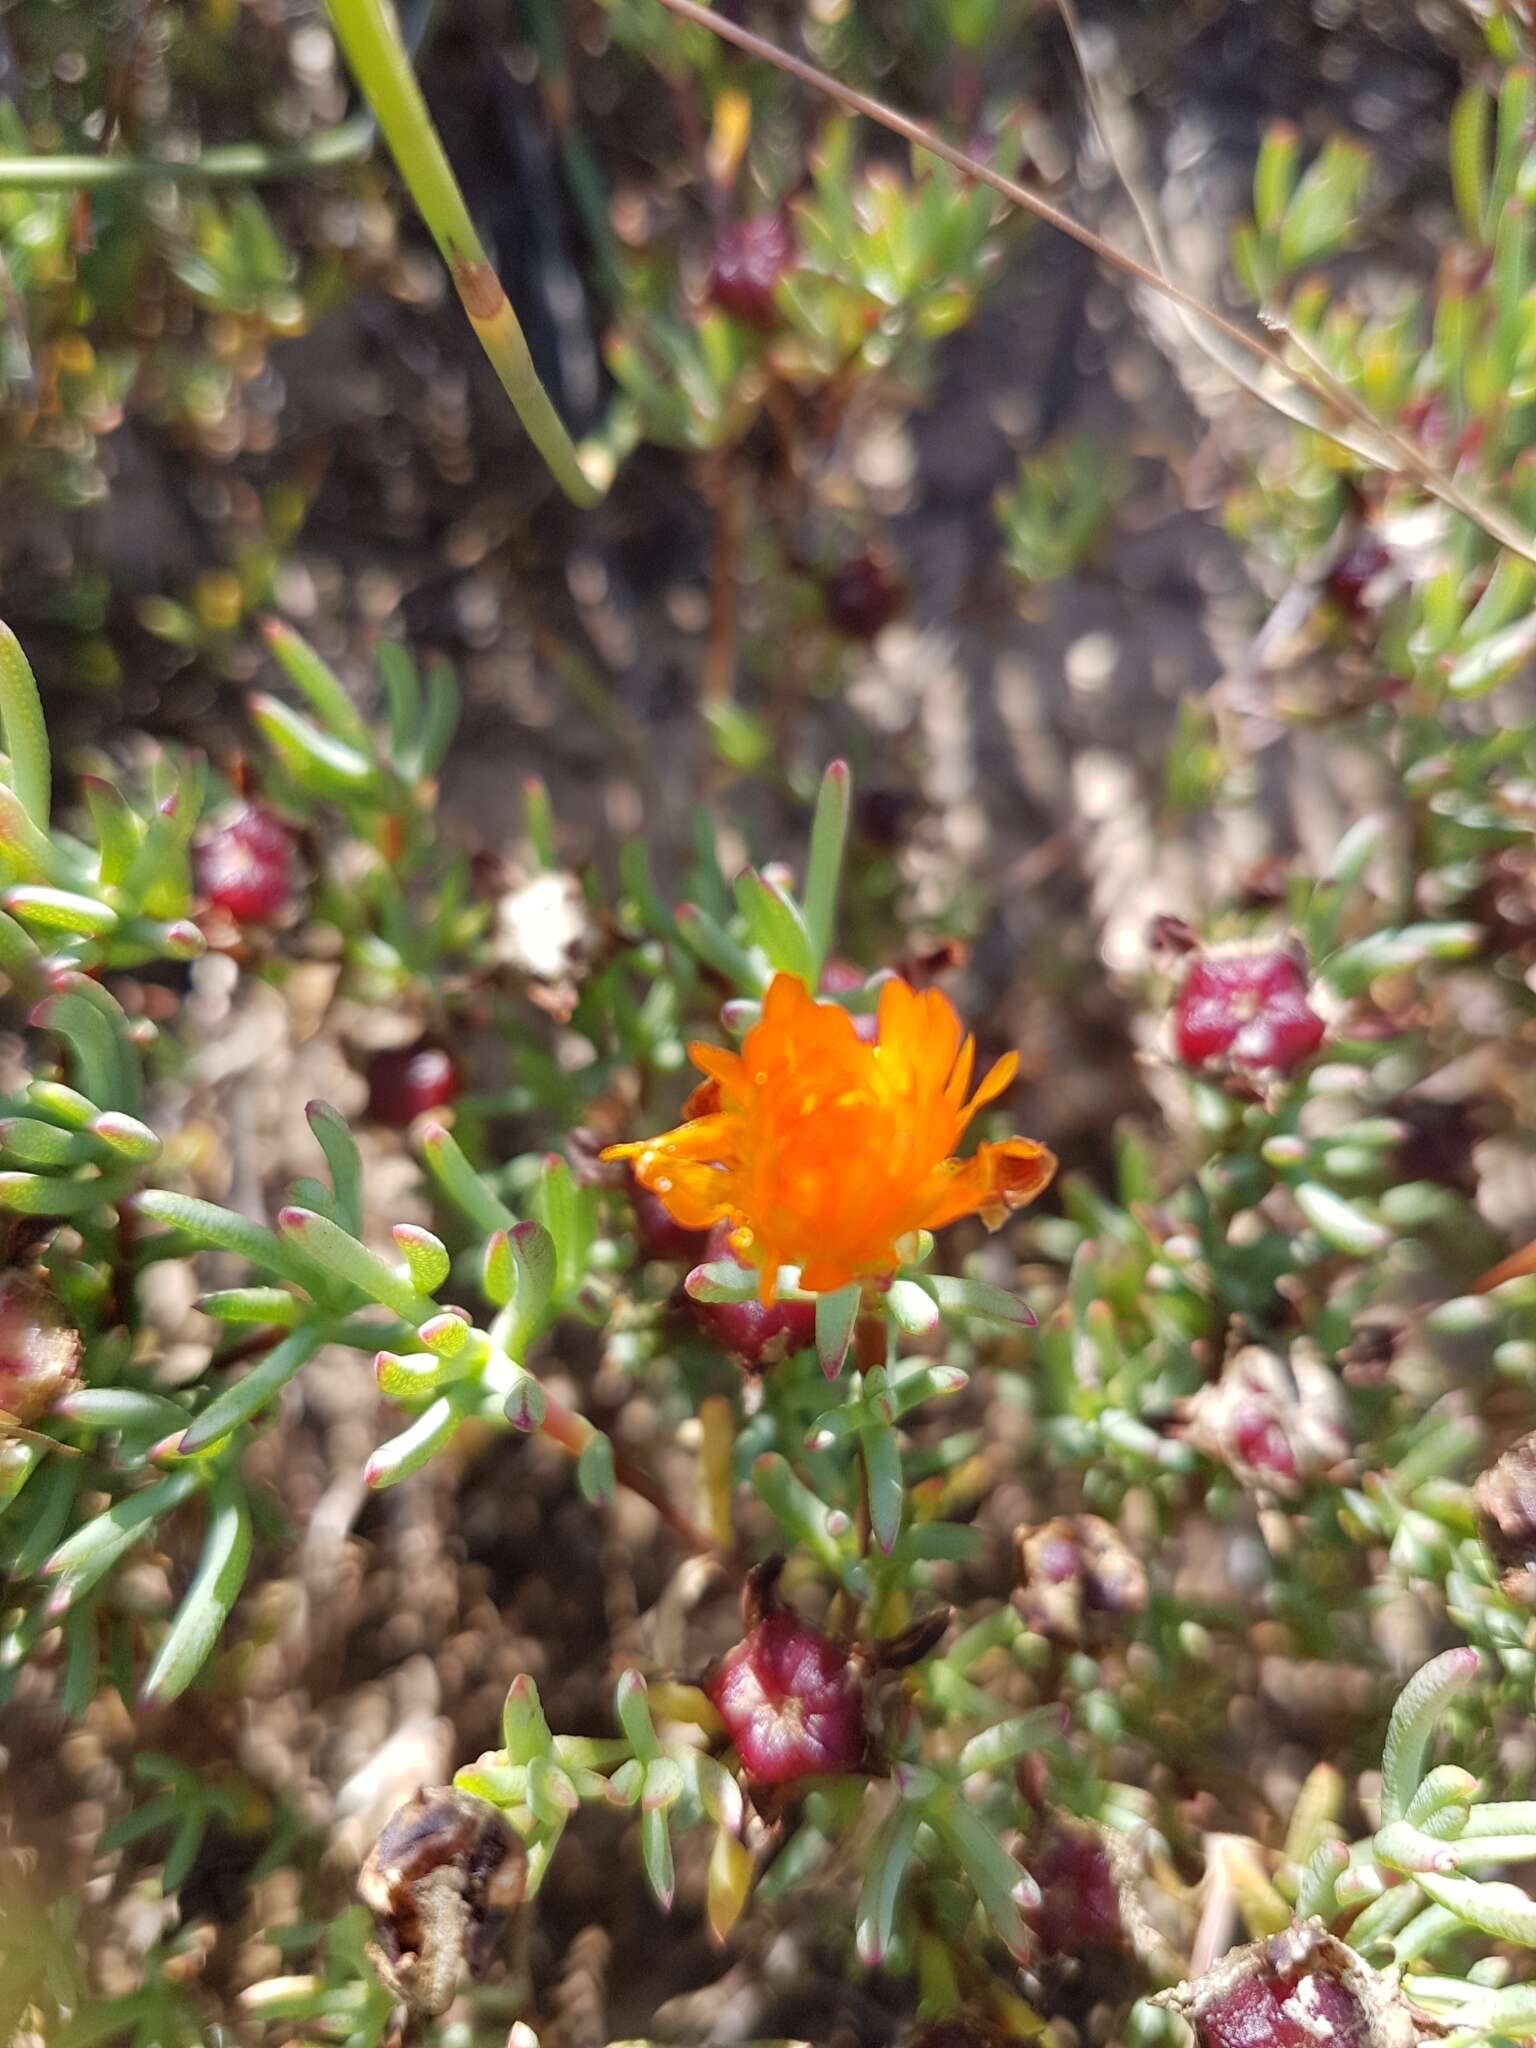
x=1366, y=1361
x=962, y=2030
x=1076, y=1578
x=440, y=1883
x=1169, y=937
x=1276, y=1422
x=1506, y=1507
x=39, y=1348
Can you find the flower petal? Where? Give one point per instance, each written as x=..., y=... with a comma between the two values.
x=694, y=1194
x=715, y=1138
x=997, y=1179
x=726, y=1070
x=998, y=1077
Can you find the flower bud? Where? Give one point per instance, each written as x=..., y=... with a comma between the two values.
x=746, y=263
x=1077, y=1579
x=793, y=1701
x=841, y=977
x=39, y=1348
x=1275, y=1422
x=1247, y=1011
x=243, y=865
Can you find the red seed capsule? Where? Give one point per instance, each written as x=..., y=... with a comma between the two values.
x=793, y=1703
x=863, y=597
x=1355, y=577
x=243, y=865
x=1261, y=1443
x=658, y=1233
x=1246, y=1010
x=746, y=263
x=1073, y=1900
x=405, y=1081
x=757, y=1337
x=1294, y=1991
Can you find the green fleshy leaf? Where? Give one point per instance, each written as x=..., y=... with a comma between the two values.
x=335, y=1139
x=215, y=1586
x=881, y=1448
x=890, y=1858
x=249, y=1395
x=837, y=1315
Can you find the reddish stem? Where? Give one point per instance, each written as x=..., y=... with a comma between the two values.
x=572, y=1432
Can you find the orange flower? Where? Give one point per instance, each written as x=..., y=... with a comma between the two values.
x=825, y=1152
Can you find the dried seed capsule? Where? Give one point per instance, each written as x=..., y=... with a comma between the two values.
x=440, y=1882
x=39, y=1348
x=546, y=931
x=1077, y=1579
x=1275, y=1422
x=1506, y=1506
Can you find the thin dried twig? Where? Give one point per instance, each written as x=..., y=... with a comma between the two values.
x=1223, y=339
x=971, y=167
x=1374, y=440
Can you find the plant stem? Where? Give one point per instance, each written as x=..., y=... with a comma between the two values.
x=723, y=493
x=370, y=38
x=229, y=163
x=570, y=1431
